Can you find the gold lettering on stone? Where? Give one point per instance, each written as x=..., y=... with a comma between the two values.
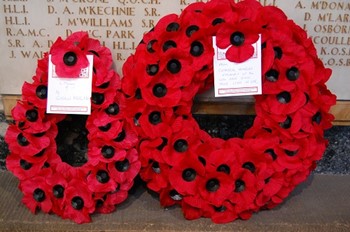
x=330, y=5
x=99, y=22
x=12, y=32
x=330, y=17
x=14, y=9
x=122, y=34
x=110, y=11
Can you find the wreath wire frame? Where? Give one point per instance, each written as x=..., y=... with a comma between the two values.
x=226, y=179
x=49, y=183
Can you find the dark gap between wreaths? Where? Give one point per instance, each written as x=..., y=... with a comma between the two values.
x=71, y=140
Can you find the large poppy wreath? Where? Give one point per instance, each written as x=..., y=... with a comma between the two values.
x=210, y=177
x=51, y=179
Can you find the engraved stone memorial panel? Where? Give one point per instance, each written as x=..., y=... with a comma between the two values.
x=29, y=28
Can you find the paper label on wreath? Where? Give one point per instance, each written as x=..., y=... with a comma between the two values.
x=237, y=79
x=70, y=95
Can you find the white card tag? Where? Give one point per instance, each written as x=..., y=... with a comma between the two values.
x=70, y=95
x=237, y=79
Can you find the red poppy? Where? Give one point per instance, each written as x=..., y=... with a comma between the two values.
x=68, y=58
x=167, y=24
x=186, y=176
x=78, y=201
x=71, y=172
x=104, y=151
x=18, y=140
x=36, y=93
x=36, y=194
x=161, y=93
x=151, y=150
x=216, y=187
x=29, y=118
x=200, y=48
x=102, y=126
x=284, y=102
x=128, y=82
x=192, y=207
x=169, y=197
x=193, y=9
x=125, y=169
x=155, y=121
x=322, y=97
x=156, y=175
x=57, y=186
x=301, y=37
x=238, y=38
x=145, y=69
x=42, y=69
x=106, y=203
x=218, y=13
x=102, y=205
x=79, y=39
x=126, y=138
x=222, y=214
x=295, y=154
x=120, y=194
x=223, y=158
x=136, y=106
x=165, y=42
x=100, y=179
x=102, y=76
x=182, y=142
x=114, y=111
x=103, y=97
x=154, y=171
x=102, y=55
x=247, y=10
x=175, y=67
x=271, y=18
x=193, y=20
x=22, y=168
x=245, y=190
x=272, y=185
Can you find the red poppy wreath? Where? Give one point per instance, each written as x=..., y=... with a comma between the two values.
x=51, y=179
x=210, y=177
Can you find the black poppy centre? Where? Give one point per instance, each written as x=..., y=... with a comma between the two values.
x=77, y=203
x=122, y=166
x=70, y=58
x=189, y=174
x=58, y=191
x=39, y=195
x=159, y=90
x=41, y=91
x=237, y=38
x=32, y=115
x=25, y=165
x=174, y=66
x=212, y=185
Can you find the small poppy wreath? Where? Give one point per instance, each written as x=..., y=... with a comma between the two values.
x=211, y=177
x=49, y=179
